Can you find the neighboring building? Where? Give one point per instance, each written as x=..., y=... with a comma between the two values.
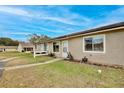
x=25, y=47
x=8, y=48
x=100, y=45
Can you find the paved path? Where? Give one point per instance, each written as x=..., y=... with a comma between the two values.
x=1, y=66
x=30, y=65
x=3, y=62
x=8, y=59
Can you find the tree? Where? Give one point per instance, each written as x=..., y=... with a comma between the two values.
x=34, y=38
x=8, y=42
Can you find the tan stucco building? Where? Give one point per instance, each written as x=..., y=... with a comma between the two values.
x=25, y=47
x=100, y=45
x=8, y=48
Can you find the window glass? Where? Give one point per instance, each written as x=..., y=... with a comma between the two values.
x=65, y=49
x=98, y=43
x=56, y=47
x=88, y=44
x=94, y=43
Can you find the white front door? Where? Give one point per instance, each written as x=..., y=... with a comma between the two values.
x=64, y=49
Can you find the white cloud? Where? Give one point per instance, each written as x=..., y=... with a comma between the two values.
x=19, y=33
x=114, y=16
x=14, y=33
x=43, y=29
x=63, y=15
x=68, y=20
x=13, y=10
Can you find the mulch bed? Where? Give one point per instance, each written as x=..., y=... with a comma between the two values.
x=99, y=64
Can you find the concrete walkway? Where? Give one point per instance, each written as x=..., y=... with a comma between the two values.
x=30, y=65
x=1, y=66
x=3, y=62
x=8, y=59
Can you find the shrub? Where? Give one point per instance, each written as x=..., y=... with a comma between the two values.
x=84, y=60
x=51, y=54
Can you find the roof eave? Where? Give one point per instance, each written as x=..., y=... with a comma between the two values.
x=89, y=33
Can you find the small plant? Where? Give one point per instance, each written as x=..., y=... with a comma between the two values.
x=51, y=54
x=23, y=51
x=84, y=60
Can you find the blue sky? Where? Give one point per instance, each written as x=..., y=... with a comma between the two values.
x=17, y=22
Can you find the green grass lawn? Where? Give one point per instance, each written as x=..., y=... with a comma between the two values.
x=10, y=54
x=24, y=58
x=63, y=74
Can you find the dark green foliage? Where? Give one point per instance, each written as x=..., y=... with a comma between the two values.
x=84, y=60
x=51, y=54
x=8, y=42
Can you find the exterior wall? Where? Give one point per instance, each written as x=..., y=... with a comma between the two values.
x=114, y=49
x=49, y=47
x=20, y=48
x=10, y=50
x=57, y=54
x=1, y=50
x=7, y=49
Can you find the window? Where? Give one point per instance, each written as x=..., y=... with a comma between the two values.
x=94, y=43
x=56, y=47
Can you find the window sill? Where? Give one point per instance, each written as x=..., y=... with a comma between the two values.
x=56, y=52
x=96, y=52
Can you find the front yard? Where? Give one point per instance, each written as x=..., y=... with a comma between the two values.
x=23, y=58
x=59, y=74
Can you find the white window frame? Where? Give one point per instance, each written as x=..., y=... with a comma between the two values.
x=104, y=44
x=59, y=46
x=67, y=45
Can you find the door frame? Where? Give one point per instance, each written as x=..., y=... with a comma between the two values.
x=67, y=47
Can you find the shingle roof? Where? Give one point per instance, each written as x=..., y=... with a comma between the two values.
x=120, y=24
x=25, y=44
